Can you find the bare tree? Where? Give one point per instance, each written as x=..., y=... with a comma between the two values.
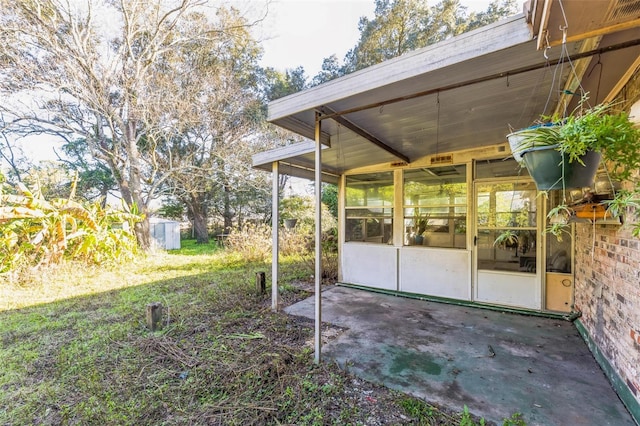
x=214, y=124
x=104, y=71
x=12, y=157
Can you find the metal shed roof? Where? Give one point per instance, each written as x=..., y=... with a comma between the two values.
x=461, y=93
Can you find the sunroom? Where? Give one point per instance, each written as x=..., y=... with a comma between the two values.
x=431, y=201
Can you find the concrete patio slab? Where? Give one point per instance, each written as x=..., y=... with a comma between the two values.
x=496, y=363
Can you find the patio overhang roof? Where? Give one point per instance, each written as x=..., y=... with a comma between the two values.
x=599, y=18
x=465, y=92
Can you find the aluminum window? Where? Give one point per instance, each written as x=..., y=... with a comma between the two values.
x=435, y=206
x=369, y=208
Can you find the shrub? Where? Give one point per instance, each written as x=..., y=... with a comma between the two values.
x=329, y=245
x=301, y=243
x=251, y=242
x=293, y=242
x=38, y=232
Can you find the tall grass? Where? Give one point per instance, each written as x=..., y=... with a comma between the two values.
x=75, y=350
x=253, y=243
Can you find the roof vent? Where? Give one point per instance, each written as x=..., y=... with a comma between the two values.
x=442, y=159
x=623, y=9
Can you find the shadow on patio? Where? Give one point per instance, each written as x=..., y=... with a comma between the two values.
x=495, y=363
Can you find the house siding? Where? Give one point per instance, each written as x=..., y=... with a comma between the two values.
x=607, y=285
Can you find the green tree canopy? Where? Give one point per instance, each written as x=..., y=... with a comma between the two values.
x=400, y=26
x=277, y=84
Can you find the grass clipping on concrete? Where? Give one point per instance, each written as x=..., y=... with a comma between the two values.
x=221, y=357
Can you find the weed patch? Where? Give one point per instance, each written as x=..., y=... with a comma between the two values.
x=221, y=357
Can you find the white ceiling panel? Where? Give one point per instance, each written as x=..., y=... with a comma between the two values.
x=463, y=93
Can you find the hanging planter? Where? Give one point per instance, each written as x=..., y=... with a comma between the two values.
x=521, y=140
x=578, y=140
x=551, y=169
x=516, y=141
x=290, y=223
x=566, y=155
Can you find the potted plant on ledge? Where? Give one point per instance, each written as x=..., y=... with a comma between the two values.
x=420, y=224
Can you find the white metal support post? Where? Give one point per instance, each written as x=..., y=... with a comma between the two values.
x=318, y=275
x=275, y=221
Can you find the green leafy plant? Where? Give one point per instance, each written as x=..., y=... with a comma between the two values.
x=515, y=420
x=622, y=201
x=467, y=420
x=600, y=128
x=543, y=134
x=559, y=220
x=420, y=221
x=561, y=212
x=417, y=408
x=506, y=238
x=603, y=129
x=558, y=230
x=296, y=207
x=36, y=231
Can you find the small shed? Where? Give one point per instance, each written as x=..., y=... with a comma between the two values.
x=165, y=233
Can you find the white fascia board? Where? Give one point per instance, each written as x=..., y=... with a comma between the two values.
x=283, y=153
x=482, y=41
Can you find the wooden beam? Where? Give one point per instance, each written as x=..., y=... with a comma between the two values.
x=623, y=81
x=535, y=10
x=599, y=32
x=361, y=132
x=544, y=22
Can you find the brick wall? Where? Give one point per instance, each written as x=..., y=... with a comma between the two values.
x=608, y=294
x=608, y=282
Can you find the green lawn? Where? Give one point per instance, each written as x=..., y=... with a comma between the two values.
x=75, y=349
